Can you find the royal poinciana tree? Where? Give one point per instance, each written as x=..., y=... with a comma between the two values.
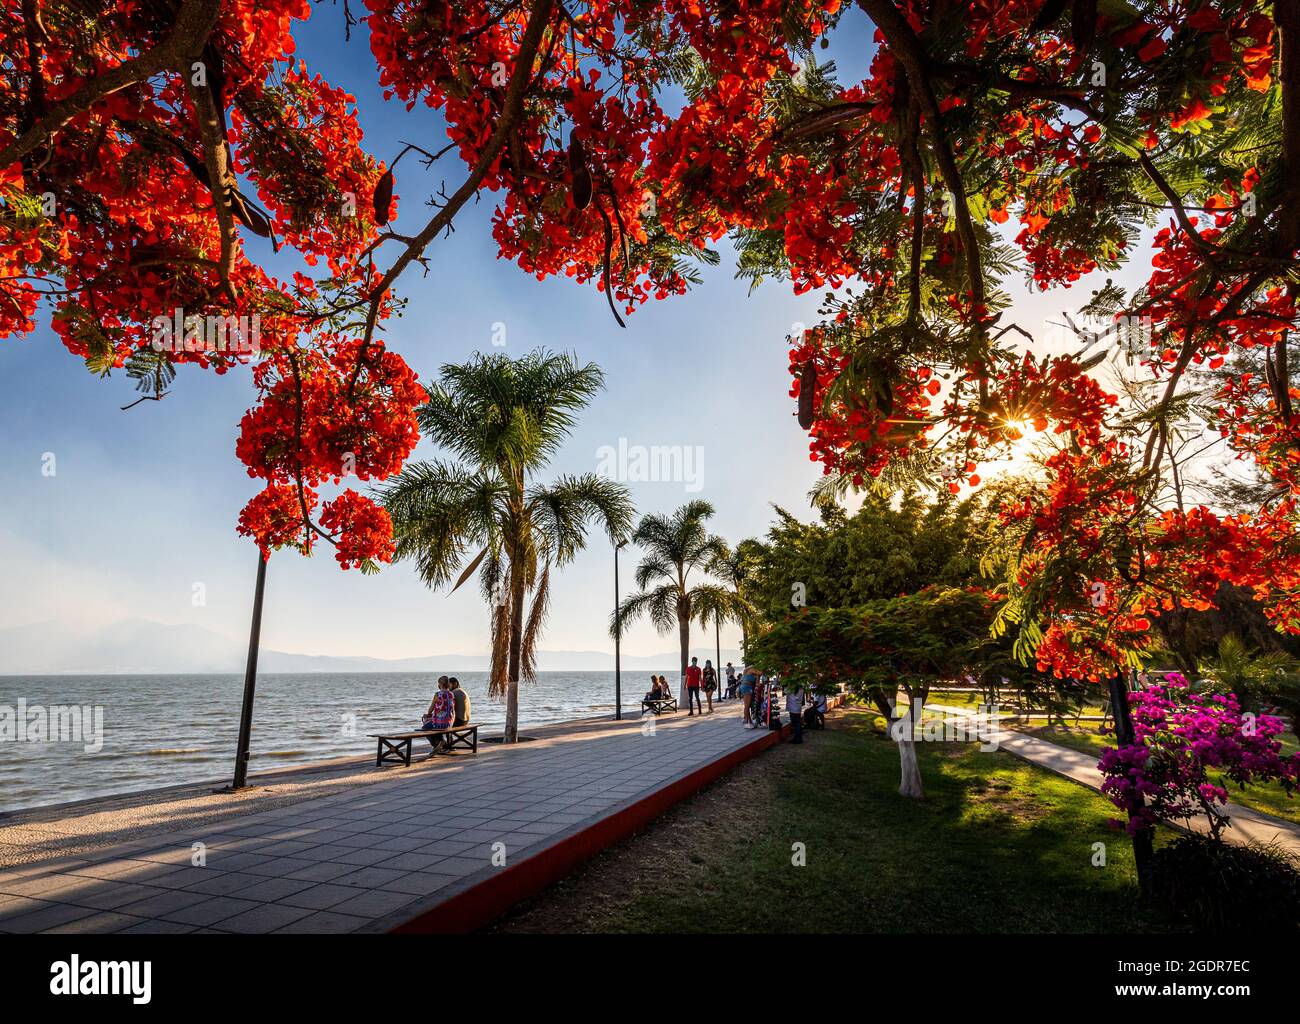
x=141, y=144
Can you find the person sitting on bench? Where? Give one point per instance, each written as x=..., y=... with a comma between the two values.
x=460, y=701
x=441, y=711
x=655, y=693
x=814, y=715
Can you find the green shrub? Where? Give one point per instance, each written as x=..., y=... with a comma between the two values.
x=1216, y=887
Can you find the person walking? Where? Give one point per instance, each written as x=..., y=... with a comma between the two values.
x=747, y=682
x=710, y=678
x=693, y=678
x=794, y=705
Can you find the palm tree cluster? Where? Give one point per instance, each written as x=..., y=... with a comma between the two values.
x=481, y=510
x=674, y=547
x=503, y=419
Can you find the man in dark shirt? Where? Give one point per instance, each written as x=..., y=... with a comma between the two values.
x=462, y=701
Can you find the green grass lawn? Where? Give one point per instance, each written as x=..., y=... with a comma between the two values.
x=956, y=700
x=997, y=846
x=1269, y=799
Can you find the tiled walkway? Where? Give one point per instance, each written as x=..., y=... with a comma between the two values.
x=371, y=859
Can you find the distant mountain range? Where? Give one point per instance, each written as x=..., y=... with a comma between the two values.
x=143, y=647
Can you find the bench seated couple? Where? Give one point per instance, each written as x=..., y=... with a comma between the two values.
x=449, y=708
x=445, y=725
x=660, y=696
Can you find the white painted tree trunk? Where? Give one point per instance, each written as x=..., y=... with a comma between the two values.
x=905, y=731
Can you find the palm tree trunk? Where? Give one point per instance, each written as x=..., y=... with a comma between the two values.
x=717, y=643
x=684, y=633
x=516, y=652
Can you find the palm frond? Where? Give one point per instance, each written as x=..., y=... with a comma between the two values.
x=500, y=670
x=536, y=620
x=562, y=512
x=658, y=605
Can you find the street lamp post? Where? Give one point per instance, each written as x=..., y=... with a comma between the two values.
x=618, y=635
x=250, y=680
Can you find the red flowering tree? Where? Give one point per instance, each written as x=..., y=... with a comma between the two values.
x=1087, y=126
x=143, y=145
x=140, y=146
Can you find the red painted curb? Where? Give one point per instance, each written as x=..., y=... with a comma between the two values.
x=489, y=899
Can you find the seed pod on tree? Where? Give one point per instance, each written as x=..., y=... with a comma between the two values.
x=807, y=394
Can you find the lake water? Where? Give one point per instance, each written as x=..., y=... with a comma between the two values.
x=165, y=730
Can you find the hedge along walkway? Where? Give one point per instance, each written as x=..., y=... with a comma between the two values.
x=1247, y=825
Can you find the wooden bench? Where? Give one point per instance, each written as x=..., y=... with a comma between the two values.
x=658, y=704
x=395, y=748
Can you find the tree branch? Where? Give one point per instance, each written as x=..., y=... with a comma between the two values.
x=221, y=179
x=516, y=91
x=194, y=23
x=907, y=50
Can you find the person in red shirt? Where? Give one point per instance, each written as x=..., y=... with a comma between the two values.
x=693, y=676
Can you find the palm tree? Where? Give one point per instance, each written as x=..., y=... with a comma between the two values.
x=736, y=567
x=712, y=606
x=674, y=545
x=503, y=419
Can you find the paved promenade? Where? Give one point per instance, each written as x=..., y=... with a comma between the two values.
x=385, y=854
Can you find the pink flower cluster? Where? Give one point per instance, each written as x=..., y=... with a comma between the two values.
x=1180, y=737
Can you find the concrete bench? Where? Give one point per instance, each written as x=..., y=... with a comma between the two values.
x=658, y=704
x=395, y=748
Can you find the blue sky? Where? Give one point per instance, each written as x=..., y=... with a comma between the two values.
x=143, y=504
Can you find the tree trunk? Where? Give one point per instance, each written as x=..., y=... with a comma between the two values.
x=516, y=652
x=1286, y=15
x=1143, y=847
x=720, y=687
x=884, y=706
x=905, y=730
x=684, y=635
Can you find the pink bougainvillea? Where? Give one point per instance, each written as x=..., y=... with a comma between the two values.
x=1182, y=736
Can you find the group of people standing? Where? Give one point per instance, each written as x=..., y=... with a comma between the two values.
x=753, y=688
x=739, y=684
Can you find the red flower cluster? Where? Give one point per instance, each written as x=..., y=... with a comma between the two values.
x=364, y=529
x=609, y=171
x=118, y=208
